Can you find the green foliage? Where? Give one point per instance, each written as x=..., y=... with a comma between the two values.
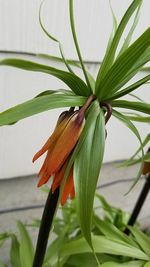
x=26, y=248
x=110, y=54
x=116, y=70
x=39, y=104
x=90, y=156
x=15, y=251
x=136, y=158
x=73, y=81
x=69, y=248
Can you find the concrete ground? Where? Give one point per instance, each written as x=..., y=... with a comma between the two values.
x=21, y=200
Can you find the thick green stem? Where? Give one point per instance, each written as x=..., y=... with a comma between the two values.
x=45, y=227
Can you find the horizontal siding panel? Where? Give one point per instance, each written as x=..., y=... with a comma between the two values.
x=20, y=30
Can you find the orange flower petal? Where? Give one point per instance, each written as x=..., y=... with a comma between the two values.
x=69, y=185
x=65, y=143
x=52, y=139
x=45, y=164
x=44, y=179
x=58, y=178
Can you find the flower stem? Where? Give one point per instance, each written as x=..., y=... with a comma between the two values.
x=87, y=103
x=139, y=204
x=109, y=110
x=45, y=227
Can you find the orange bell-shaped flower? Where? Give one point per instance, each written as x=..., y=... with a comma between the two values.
x=59, y=146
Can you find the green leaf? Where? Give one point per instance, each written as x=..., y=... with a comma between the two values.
x=102, y=244
x=53, y=39
x=121, y=69
x=139, y=118
x=110, y=55
x=52, y=253
x=128, y=123
x=26, y=247
x=3, y=238
x=76, y=42
x=147, y=264
x=142, y=239
x=114, y=29
x=47, y=92
x=115, y=216
x=130, y=88
x=74, y=82
x=138, y=106
x=2, y=264
x=136, y=97
x=132, y=127
x=15, y=252
x=90, y=156
x=87, y=259
x=112, y=232
x=72, y=62
x=131, y=31
x=146, y=69
x=38, y=105
x=126, y=264
x=133, y=161
x=144, y=143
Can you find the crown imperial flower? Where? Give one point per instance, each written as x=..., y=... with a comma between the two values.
x=58, y=147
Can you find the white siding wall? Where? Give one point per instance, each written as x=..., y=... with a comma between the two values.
x=20, y=31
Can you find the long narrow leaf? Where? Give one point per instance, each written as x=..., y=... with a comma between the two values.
x=76, y=42
x=130, y=88
x=138, y=106
x=71, y=62
x=133, y=161
x=102, y=244
x=26, y=247
x=114, y=29
x=15, y=252
x=73, y=81
x=53, y=38
x=86, y=171
x=132, y=127
x=131, y=31
x=125, y=264
x=109, y=58
x=144, y=143
x=139, y=118
x=123, y=65
x=37, y=105
x=112, y=232
x=142, y=239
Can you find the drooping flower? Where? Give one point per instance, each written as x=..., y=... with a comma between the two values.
x=58, y=147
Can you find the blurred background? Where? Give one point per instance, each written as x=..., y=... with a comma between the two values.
x=20, y=31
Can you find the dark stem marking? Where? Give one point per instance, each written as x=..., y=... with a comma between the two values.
x=139, y=204
x=108, y=109
x=45, y=227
